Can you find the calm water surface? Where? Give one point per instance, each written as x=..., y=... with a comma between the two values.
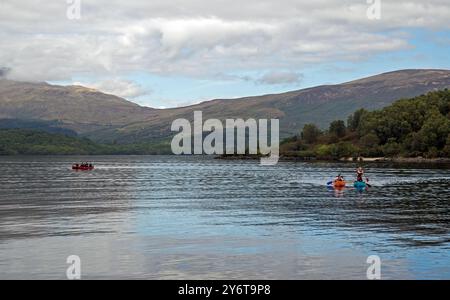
x=163, y=217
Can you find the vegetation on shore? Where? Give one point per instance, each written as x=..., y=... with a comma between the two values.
x=36, y=142
x=417, y=127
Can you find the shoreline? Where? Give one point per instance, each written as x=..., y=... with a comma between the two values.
x=400, y=160
x=408, y=160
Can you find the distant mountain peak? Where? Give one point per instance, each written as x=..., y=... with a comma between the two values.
x=80, y=108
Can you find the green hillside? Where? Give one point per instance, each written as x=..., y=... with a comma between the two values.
x=319, y=105
x=408, y=128
x=413, y=127
x=35, y=142
x=109, y=119
x=46, y=126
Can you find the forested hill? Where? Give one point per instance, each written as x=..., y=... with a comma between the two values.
x=413, y=127
x=36, y=142
x=110, y=119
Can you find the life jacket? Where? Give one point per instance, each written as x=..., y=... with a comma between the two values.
x=359, y=176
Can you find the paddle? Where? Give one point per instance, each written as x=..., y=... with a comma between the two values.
x=367, y=182
x=331, y=182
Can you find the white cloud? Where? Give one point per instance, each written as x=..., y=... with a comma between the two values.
x=119, y=87
x=200, y=38
x=281, y=77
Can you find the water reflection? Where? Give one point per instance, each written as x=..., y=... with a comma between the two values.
x=180, y=209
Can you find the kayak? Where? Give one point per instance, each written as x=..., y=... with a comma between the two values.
x=339, y=184
x=82, y=168
x=360, y=184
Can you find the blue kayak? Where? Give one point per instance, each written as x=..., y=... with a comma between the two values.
x=360, y=184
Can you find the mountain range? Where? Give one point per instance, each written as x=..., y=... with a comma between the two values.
x=111, y=119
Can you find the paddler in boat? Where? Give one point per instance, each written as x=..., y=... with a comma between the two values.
x=339, y=178
x=359, y=174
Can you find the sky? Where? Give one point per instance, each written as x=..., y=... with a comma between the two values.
x=171, y=53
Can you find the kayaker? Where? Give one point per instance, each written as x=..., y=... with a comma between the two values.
x=339, y=178
x=360, y=174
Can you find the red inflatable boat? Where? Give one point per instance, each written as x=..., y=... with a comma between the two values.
x=82, y=168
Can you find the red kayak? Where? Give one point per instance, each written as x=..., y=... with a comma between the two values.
x=81, y=168
x=339, y=184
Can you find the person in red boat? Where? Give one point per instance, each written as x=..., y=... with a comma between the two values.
x=339, y=178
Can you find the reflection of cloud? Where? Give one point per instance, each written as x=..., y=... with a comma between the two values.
x=119, y=87
x=172, y=257
x=199, y=37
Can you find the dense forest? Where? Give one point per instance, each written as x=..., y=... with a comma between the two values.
x=36, y=142
x=408, y=128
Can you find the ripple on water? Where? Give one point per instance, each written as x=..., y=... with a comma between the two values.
x=282, y=211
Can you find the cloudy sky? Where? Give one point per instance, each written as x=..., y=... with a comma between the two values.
x=167, y=53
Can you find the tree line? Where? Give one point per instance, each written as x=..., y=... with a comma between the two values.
x=37, y=142
x=408, y=128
